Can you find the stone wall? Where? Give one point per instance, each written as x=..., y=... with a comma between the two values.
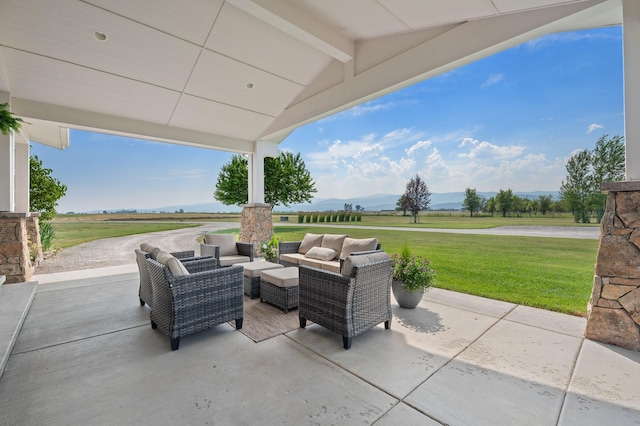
x=255, y=225
x=15, y=255
x=614, y=307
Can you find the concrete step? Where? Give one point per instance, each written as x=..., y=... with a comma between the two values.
x=15, y=302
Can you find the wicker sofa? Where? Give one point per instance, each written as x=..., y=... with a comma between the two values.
x=193, y=296
x=145, y=252
x=350, y=302
x=323, y=251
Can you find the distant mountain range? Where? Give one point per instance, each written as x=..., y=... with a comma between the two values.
x=378, y=202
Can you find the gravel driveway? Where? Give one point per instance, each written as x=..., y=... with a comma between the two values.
x=120, y=250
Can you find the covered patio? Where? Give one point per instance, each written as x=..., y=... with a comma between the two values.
x=87, y=355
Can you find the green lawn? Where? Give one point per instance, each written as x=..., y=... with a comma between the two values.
x=549, y=273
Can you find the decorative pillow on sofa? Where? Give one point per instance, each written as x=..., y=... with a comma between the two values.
x=321, y=253
x=147, y=247
x=333, y=241
x=348, y=267
x=352, y=245
x=310, y=240
x=226, y=242
x=175, y=266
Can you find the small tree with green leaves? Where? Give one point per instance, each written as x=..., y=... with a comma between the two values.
x=473, y=202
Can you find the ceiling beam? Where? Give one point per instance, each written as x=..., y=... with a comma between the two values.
x=459, y=46
x=290, y=19
x=105, y=123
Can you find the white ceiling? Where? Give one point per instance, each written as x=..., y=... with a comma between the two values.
x=223, y=74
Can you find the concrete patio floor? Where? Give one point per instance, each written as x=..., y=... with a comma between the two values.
x=87, y=355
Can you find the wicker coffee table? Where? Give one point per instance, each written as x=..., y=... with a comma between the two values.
x=251, y=272
x=280, y=287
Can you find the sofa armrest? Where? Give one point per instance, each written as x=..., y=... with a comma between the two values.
x=210, y=250
x=183, y=254
x=245, y=249
x=200, y=265
x=288, y=247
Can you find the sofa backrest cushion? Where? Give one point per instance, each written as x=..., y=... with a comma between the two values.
x=147, y=247
x=310, y=240
x=333, y=241
x=175, y=266
x=351, y=262
x=321, y=253
x=352, y=245
x=226, y=242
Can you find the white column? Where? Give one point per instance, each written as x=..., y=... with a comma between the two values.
x=7, y=166
x=631, y=43
x=256, y=169
x=21, y=193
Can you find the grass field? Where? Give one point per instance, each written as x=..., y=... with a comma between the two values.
x=548, y=273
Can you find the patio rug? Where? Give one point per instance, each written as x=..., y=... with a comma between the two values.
x=263, y=321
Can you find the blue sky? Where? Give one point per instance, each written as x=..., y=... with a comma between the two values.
x=509, y=121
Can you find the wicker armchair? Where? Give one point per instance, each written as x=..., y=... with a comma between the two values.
x=348, y=304
x=226, y=249
x=186, y=304
x=145, y=291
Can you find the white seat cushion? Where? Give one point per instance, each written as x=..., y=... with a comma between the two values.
x=232, y=260
x=226, y=242
x=285, y=277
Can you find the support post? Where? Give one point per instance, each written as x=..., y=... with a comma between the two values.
x=631, y=56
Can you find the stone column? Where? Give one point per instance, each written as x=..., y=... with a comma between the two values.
x=15, y=257
x=255, y=225
x=614, y=307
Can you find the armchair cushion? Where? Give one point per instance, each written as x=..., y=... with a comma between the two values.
x=310, y=240
x=351, y=262
x=321, y=253
x=352, y=245
x=175, y=266
x=226, y=242
x=333, y=241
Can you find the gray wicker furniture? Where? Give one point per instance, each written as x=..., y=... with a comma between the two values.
x=185, y=304
x=251, y=272
x=323, y=251
x=348, y=304
x=145, y=291
x=279, y=287
x=226, y=249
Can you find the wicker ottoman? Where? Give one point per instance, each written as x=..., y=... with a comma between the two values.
x=251, y=272
x=280, y=287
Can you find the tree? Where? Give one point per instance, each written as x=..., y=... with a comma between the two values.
x=8, y=121
x=417, y=196
x=472, y=201
x=504, y=201
x=286, y=180
x=490, y=206
x=402, y=205
x=348, y=207
x=608, y=166
x=544, y=203
x=44, y=189
x=577, y=189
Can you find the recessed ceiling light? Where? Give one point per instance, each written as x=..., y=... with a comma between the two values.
x=249, y=85
x=99, y=35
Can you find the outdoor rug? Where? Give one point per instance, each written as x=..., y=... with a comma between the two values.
x=263, y=321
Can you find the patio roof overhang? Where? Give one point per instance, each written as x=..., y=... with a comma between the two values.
x=241, y=75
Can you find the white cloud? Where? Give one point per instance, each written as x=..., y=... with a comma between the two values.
x=493, y=79
x=593, y=127
x=567, y=37
x=417, y=146
x=488, y=150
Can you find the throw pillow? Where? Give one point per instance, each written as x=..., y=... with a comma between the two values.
x=147, y=247
x=321, y=253
x=175, y=266
x=333, y=241
x=310, y=240
x=226, y=242
x=351, y=262
x=352, y=245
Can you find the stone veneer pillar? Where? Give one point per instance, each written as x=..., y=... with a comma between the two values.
x=19, y=235
x=614, y=307
x=256, y=225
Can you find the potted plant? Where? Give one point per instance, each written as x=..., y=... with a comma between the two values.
x=269, y=249
x=412, y=277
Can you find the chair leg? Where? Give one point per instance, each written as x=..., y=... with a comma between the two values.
x=346, y=342
x=387, y=324
x=239, y=323
x=141, y=302
x=175, y=344
x=303, y=321
x=154, y=325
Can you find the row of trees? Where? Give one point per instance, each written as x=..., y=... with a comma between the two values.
x=506, y=202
